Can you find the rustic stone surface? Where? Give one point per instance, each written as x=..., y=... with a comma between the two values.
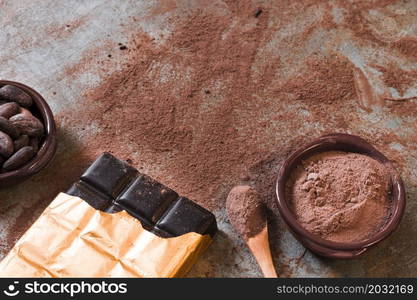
x=62, y=53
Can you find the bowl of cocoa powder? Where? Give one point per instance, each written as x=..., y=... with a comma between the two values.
x=340, y=196
x=27, y=133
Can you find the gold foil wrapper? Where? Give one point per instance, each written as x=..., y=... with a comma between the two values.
x=72, y=239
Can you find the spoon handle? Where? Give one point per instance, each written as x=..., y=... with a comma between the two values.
x=259, y=246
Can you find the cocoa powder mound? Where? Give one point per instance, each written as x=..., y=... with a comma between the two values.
x=340, y=196
x=245, y=211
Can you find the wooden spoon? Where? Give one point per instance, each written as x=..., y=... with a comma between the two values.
x=259, y=246
x=247, y=215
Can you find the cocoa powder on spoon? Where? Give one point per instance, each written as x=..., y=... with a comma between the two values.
x=245, y=210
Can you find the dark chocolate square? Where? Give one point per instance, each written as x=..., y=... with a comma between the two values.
x=109, y=175
x=146, y=198
x=186, y=216
x=93, y=197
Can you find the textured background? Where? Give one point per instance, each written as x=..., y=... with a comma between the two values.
x=54, y=46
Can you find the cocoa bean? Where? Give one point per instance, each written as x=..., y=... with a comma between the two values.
x=8, y=127
x=25, y=112
x=6, y=145
x=21, y=142
x=34, y=143
x=9, y=109
x=11, y=93
x=30, y=126
x=18, y=159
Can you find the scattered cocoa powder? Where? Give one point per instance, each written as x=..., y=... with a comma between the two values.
x=407, y=46
x=397, y=78
x=245, y=211
x=340, y=196
x=203, y=109
x=323, y=80
x=156, y=108
x=357, y=22
x=58, y=31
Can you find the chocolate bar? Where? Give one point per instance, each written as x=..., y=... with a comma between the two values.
x=112, y=185
x=113, y=222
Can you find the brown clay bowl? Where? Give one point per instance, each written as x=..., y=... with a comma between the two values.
x=318, y=245
x=48, y=144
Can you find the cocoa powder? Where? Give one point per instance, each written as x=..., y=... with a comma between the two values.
x=156, y=108
x=203, y=109
x=340, y=196
x=406, y=46
x=245, y=211
x=396, y=78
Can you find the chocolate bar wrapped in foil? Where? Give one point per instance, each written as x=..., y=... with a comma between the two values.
x=113, y=222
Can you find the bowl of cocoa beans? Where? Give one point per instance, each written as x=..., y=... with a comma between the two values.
x=27, y=133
